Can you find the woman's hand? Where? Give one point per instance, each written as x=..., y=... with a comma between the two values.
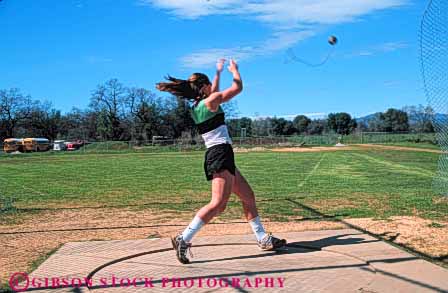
x=220, y=65
x=233, y=67
x=213, y=101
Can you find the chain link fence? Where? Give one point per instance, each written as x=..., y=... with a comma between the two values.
x=433, y=57
x=196, y=144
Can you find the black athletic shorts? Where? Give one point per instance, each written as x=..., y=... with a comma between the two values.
x=218, y=158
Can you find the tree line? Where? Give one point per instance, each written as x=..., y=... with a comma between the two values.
x=416, y=119
x=121, y=113
x=115, y=112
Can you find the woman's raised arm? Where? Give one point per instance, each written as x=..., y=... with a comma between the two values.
x=219, y=68
x=217, y=98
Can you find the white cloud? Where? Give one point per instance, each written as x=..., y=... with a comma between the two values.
x=364, y=53
x=278, y=41
x=291, y=21
x=192, y=9
x=286, y=39
x=296, y=12
x=279, y=12
x=208, y=57
x=391, y=46
x=292, y=116
x=378, y=49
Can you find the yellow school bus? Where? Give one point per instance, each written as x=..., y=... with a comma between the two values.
x=36, y=144
x=13, y=145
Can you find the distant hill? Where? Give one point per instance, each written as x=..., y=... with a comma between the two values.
x=442, y=117
x=366, y=119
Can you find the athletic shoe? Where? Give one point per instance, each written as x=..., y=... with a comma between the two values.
x=181, y=247
x=270, y=242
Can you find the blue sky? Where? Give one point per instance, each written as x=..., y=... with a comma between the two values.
x=59, y=50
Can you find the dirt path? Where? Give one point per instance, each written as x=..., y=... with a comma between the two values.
x=397, y=148
x=21, y=250
x=354, y=147
x=314, y=149
x=54, y=228
x=429, y=237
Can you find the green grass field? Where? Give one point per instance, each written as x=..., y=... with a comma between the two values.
x=357, y=183
x=409, y=139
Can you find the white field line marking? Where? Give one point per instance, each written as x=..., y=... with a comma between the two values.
x=397, y=167
x=312, y=171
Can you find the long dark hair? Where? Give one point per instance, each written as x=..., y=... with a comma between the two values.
x=190, y=89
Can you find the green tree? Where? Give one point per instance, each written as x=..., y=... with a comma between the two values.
x=236, y=125
x=246, y=123
x=375, y=123
x=176, y=118
x=43, y=121
x=395, y=120
x=301, y=124
x=103, y=126
x=78, y=124
x=262, y=126
x=341, y=123
x=281, y=126
x=317, y=127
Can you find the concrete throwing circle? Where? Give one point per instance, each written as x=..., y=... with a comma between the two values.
x=236, y=268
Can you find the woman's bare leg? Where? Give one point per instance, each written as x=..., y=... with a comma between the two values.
x=243, y=190
x=221, y=190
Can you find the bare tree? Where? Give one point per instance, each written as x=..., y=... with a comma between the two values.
x=109, y=99
x=144, y=111
x=43, y=121
x=14, y=109
x=420, y=117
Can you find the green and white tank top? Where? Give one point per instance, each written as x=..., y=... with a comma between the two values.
x=211, y=125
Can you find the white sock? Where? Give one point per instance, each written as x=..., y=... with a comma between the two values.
x=194, y=227
x=258, y=228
